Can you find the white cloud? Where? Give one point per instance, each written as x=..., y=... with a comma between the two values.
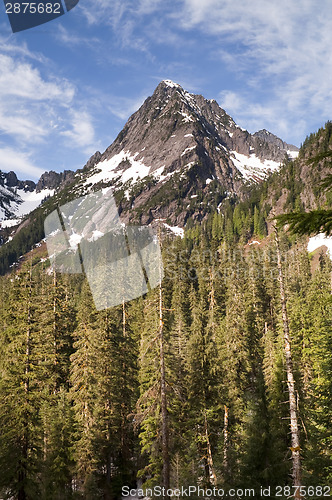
x=21, y=124
x=231, y=101
x=71, y=39
x=148, y=6
x=97, y=10
x=100, y=10
x=20, y=163
x=21, y=80
x=39, y=112
x=28, y=101
x=280, y=48
x=126, y=18
x=256, y=116
x=9, y=45
x=81, y=134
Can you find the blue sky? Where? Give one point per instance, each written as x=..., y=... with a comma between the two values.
x=67, y=87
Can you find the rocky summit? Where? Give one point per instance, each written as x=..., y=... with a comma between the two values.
x=18, y=198
x=176, y=158
x=179, y=156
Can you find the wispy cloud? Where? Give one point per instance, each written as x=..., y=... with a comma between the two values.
x=27, y=99
x=81, y=132
x=280, y=48
x=257, y=115
x=123, y=107
x=99, y=10
x=21, y=80
x=9, y=45
x=37, y=107
x=21, y=124
x=73, y=40
x=20, y=162
x=126, y=20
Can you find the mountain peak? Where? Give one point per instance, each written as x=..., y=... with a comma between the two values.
x=177, y=157
x=170, y=83
x=273, y=139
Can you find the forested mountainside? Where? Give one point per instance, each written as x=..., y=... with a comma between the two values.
x=294, y=185
x=80, y=403
x=87, y=397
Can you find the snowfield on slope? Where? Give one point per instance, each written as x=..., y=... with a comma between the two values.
x=251, y=166
x=108, y=169
x=26, y=202
x=31, y=200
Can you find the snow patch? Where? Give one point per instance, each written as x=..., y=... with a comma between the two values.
x=186, y=118
x=178, y=231
x=30, y=201
x=187, y=150
x=9, y=223
x=293, y=154
x=159, y=174
x=108, y=169
x=171, y=84
x=96, y=235
x=251, y=166
x=74, y=240
x=189, y=165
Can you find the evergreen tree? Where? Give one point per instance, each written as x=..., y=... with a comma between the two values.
x=21, y=390
x=315, y=221
x=293, y=409
x=103, y=385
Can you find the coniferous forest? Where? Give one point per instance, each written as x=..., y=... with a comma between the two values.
x=188, y=385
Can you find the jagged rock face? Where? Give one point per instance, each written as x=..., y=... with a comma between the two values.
x=7, y=193
x=54, y=180
x=11, y=181
x=172, y=120
x=279, y=144
x=178, y=156
x=18, y=197
x=11, y=178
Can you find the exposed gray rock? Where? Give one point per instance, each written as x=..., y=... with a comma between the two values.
x=279, y=144
x=54, y=180
x=191, y=152
x=189, y=145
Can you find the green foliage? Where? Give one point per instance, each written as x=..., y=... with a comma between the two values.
x=80, y=398
x=316, y=221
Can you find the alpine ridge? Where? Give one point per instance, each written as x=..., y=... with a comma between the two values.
x=177, y=158
x=18, y=198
